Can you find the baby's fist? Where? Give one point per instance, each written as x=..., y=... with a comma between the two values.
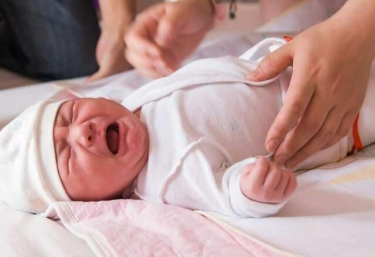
x=265, y=182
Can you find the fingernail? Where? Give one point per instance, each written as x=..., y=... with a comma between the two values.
x=253, y=74
x=272, y=145
x=280, y=160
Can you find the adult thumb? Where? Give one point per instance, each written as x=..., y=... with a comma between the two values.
x=273, y=64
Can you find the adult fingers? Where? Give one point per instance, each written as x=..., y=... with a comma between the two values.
x=97, y=75
x=170, y=30
x=151, y=67
x=142, y=44
x=296, y=101
x=323, y=136
x=141, y=35
x=143, y=59
x=273, y=64
x=104, y=71
x=308, y=126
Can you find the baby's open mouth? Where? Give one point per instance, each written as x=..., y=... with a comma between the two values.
x=113, y=138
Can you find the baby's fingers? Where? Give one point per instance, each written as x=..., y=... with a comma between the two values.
x=291, y=185
x=257, y=173
x=279, y=185
x=272, y=179
x=252, y=179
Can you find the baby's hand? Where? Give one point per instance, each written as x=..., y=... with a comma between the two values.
x=265, y=182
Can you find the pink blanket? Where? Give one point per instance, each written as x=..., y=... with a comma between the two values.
x=139, y=228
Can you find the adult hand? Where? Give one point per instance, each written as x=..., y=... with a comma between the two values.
x=110, y=55
x=165, y=34
x=331, y=65
x=116, y=19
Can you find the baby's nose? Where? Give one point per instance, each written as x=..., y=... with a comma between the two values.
x=82, y=134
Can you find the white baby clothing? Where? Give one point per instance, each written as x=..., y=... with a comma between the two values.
x=205, y=123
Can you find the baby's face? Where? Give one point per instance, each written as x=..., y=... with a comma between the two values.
x=100, y=148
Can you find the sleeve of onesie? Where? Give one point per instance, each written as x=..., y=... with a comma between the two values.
x=203, y=184
x=241, y=205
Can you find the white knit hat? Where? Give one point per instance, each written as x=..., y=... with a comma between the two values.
x=29, y=179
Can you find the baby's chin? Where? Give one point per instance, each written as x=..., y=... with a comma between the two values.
x=97, y=193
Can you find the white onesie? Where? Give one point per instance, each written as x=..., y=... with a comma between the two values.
x=205, y=122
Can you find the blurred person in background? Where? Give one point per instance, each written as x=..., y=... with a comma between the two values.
x=58, y=39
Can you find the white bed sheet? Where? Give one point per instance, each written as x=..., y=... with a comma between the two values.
x=23, y=234
x=29, y=235
x=332, y=212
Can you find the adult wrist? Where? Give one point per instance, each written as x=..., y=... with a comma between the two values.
x=117, y=15
x=357, y=19
x=218, y=9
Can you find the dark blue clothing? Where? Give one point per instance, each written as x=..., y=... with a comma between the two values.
x=48, y=39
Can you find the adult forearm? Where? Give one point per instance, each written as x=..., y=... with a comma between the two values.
x=117, y=14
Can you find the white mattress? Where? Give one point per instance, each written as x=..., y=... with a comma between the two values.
x=332, y=212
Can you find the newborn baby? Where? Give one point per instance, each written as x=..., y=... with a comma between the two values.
x=187, y=140
x=101, y=147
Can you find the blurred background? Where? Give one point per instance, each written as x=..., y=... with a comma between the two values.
x=248, y=18
x=253, y=16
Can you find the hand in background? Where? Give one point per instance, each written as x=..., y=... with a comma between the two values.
x=331, y=66
x=110, y=56
x=116, y=19
x=265, y=182
x=165, y=34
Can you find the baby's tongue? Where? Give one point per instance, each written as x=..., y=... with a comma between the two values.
x=112, y=140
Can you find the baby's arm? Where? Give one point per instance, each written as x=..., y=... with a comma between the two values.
x=258, y=188
x=203, y=183
x=265, y=182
